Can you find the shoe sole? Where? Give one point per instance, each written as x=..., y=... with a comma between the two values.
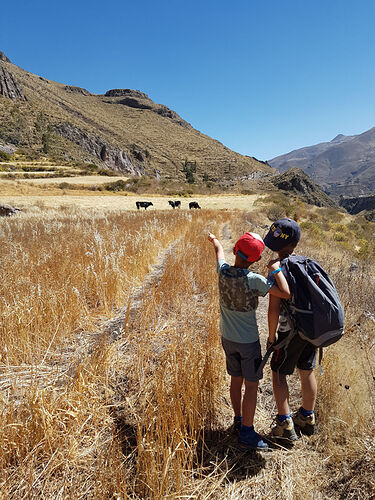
x=246, y=447
x=291, y=439
x=307, y=430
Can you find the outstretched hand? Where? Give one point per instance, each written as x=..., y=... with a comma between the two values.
x=211, y=237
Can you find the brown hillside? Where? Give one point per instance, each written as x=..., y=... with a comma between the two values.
x=123, y=130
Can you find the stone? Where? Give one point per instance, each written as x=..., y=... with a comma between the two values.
x=7, y=210
x=76, y=90
x=126, y=92
x=353, y=267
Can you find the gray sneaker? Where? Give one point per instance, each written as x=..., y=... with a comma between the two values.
x=306, y=425
x=284, y=430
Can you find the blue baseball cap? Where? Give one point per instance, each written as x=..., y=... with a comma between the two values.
x=282, y=233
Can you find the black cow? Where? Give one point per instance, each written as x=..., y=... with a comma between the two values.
x=143, y=204
x=174, y=204
x=194, y=204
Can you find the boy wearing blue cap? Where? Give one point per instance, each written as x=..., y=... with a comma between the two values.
x=239, y=289
x=282, y=238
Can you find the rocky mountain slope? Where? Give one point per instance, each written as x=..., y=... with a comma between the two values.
x=343, y=166
x=357, y=204
x=297, y=182
x=122, y=130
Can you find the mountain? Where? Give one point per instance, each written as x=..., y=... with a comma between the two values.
x=364, y=204
x=122, y=130
x=297, y=182
x=343, y=166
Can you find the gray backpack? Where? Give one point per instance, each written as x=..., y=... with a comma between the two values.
x=316, y=313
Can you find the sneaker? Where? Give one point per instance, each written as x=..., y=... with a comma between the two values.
x=306, y=425
x=284, y=430
x=251, y=441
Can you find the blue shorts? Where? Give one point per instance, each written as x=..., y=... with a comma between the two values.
x=242, y=360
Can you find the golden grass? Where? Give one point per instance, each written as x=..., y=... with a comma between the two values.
x=138, y=407
x=32, y=198
x=85, y=180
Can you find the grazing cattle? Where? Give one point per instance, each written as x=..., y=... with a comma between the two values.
x=194, y=204
x=174, y=204
x=143, y=204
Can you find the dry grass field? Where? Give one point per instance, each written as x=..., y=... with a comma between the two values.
x=112, y=376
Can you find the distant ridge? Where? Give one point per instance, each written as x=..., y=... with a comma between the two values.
x=343, y=166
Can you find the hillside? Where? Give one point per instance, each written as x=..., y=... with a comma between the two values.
x=343, y=166
x=297, y=182
x=123, y=130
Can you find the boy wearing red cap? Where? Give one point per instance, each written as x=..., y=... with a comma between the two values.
x=239, y=289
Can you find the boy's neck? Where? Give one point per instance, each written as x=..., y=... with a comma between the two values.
x=241, y=263
x=283, y=254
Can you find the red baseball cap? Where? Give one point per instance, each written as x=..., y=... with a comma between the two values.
x=249, y=246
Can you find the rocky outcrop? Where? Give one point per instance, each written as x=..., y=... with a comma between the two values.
x=137, y=94
x=297, y=182
x=76, y=90
x=7, y=210
x=134, y=103
x=7, y=148
x=357, y=204
x=138, y=100
x=9, y=87
x=169, y=113
x=111, y=156
x=3, y=57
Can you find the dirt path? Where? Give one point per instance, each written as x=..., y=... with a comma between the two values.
x=58, y=366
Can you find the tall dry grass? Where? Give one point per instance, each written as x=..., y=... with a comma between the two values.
x=140, y=408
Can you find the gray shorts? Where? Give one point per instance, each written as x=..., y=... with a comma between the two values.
x=298, y=353
x=242, y=360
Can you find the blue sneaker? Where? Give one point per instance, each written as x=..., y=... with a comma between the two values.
x=251, y=440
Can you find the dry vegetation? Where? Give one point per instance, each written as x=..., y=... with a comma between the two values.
x=166, y=143
x=137, y=406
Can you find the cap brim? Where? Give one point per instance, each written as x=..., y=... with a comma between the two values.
x=274, y=244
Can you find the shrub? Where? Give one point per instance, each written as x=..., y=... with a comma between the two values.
x=4, y=156
x=116, y=186
x=91, y=167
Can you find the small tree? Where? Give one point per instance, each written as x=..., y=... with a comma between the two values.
x=189, y=169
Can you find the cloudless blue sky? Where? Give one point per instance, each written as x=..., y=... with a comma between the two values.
x=263, y=77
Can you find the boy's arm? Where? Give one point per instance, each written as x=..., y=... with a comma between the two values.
x=282, y=289
x=218, y=247
x=273, y=318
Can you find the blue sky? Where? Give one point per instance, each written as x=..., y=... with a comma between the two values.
x=263, y=77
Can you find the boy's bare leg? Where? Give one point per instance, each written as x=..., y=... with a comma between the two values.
x=236, y=394
x=309, y=389
x=281, y=393
x=249, y=403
